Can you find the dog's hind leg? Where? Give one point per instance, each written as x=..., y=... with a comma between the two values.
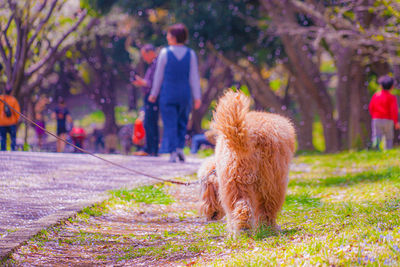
x=265, y=214
x=240, y=216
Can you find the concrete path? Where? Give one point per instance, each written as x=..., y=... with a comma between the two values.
x=39, y=189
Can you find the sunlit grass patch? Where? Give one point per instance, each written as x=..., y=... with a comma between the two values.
x=301, y=200
x=146, y=194
x=204, y=153
x=95, y=210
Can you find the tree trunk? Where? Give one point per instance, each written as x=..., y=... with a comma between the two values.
x=305, y=71
x=304, y=122
x=308, y=76
x=219, y=79
x=352, y=100
x=343, y=90
x=110, y=125
x=360, y=122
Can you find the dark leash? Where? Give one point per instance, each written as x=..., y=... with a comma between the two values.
x=98, y=157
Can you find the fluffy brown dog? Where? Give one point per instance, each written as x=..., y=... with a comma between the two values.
x=252, y=157
x=210, y=206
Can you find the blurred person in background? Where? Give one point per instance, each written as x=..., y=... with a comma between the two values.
x=8, y=119
x=61, y=114
x=78, y=135
x=384, y=112
x=151, y=111
x=177, y=83
x=139, y=135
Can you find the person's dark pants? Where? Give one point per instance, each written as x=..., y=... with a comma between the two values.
x=12, y=130
x=175, y=118
x=197, y=141
x=151, y=127
x=79, y=143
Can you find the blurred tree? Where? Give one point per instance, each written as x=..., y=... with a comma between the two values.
x=33, y=35
x=105, y=63
x=358, y=36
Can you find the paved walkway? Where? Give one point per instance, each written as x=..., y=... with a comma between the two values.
x=39, y=189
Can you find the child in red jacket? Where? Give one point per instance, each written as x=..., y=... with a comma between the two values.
x=384, y=112
x=139, y=135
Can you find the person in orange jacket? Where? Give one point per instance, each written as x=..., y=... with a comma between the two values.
x=8, y=119
x=139, y=135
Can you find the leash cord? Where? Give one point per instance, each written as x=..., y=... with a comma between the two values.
x=98, y=157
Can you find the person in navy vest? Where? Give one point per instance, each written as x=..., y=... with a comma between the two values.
x=177, y=83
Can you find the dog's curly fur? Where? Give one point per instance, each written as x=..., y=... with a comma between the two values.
x=252, y=158
x=210, y=204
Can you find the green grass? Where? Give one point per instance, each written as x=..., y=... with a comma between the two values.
x=96, y=117
x=318, y=136
x=122, y=115
x=95, y=210
x=145, y=194
x=328, y=66
x=340, y=210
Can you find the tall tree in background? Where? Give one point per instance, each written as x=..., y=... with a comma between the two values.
x=33, y=35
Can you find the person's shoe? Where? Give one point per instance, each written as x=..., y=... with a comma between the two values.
x=172, y=157
x=181, y=156
x=140, y=153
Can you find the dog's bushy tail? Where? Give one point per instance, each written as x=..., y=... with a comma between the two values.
x=229, y=119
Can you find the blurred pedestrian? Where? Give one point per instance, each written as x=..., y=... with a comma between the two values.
x=151, y=108
x=177, y=82
x=64, y=119
x=78, y=136
x=8, y=118
x=207, y=138
x=384, y=112
x=98, y=140
x=139, y=135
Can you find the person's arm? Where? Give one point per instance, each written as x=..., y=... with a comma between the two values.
x=149, y=75
x=158, y=75
x=139, y=82
x=194, y=80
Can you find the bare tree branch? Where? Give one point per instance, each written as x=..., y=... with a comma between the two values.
x=40, y=9
x=252, y=77
x=9, y=47
x=46, y=72
x=54, y=49
x=42, y=22
x=6, y=60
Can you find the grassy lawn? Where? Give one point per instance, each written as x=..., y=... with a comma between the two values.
x=340, y=210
